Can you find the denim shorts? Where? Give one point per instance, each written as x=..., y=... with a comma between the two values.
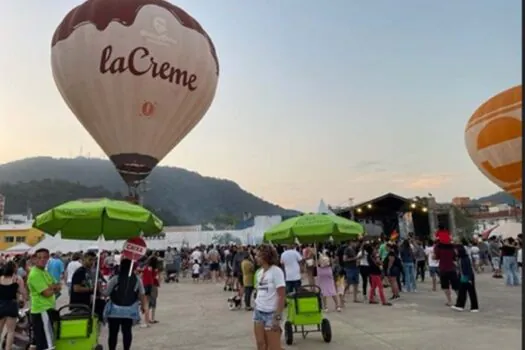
x=434, y=271
x=266, y=318
x=352, y=275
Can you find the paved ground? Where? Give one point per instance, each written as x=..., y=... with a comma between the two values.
x=196, y=317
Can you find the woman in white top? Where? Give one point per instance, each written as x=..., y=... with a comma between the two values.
x=362, y=258
x=269, y=303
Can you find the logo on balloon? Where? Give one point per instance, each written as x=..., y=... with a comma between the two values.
x=148, y=108
x=160, y=38
x=140, y=62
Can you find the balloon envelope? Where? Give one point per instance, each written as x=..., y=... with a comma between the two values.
x=138, y=75
x=493, y=138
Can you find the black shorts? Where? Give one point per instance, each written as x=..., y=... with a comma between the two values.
x=240, y=279
x=449, y=279
x=214, y=267
x=195, y=275
x=8, y=308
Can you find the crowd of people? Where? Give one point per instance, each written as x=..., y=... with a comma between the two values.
x=124, y=293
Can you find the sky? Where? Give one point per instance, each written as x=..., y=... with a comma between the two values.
x=335, y=100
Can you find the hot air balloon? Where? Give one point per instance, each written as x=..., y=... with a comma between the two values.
x=138, y=74
x=493, y=137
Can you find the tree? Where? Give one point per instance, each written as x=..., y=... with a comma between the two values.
x=224, y=222
x=465, y=225
x=225, y=238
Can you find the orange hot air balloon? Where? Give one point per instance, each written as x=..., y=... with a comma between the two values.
x=493, y=137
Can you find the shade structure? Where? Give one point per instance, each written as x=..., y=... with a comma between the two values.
x=312, y=228
x=90, y=219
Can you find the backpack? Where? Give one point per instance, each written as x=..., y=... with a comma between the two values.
x=126, y=296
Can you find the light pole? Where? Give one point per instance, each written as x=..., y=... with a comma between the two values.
x=351, y=203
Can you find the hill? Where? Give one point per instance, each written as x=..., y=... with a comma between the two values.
x=497, y=198
x=42, y=195
x=192, y=198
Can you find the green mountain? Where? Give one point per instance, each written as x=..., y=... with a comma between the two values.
x=39, y=196
x=187, y=196
x=497, y=198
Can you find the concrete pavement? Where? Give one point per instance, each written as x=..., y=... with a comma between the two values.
x=197, y=317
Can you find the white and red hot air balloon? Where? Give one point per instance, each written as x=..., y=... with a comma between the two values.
x=138, y=74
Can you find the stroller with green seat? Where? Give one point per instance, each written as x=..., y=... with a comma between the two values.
x=305, y=309
x=78, y=329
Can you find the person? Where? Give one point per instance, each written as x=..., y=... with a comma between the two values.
x=351, y=269
x=374, y=265
x=150, y=280
x=42, y=288
x=420, y=258
x=247, y=269
x=466, y=283
x=55, y=267
x=291, y=262
x=195, y=271
x=393, y=270
x=11, y=287
x=407, y=258
x=362, y=257
x=82, y=286
x=73, y=265
x=325, y=280
x=125, y=290
x=475, y=256
x=269, y=303
x=495, y=256
x=433, y=265
x=444, y=252
x=510, y=264
x=214, y=259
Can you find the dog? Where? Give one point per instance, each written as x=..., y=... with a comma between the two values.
x=234, y=303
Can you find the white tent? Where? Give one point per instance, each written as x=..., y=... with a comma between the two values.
x=507, y=230
x=323, y=208
x=20, y=248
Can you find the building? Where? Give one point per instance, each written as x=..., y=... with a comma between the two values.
x=496, y=217
x=461, y=201
x=11, y=235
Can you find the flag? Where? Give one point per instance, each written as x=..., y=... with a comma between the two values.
x=394, y=235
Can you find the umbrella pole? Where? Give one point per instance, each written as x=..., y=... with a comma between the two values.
x=96, y=277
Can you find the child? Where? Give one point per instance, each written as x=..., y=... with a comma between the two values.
x=195, y=271
x=340, y=283
x=375, y=279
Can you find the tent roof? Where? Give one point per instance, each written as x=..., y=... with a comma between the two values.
x=19, y=248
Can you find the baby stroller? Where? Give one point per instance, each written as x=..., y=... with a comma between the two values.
x=22, y=339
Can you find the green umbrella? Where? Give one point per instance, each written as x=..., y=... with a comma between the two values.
x=90, y=219
x=311, y=228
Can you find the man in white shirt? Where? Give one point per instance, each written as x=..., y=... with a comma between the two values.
x=196, y=255
x=73, y=265
x=291, y=262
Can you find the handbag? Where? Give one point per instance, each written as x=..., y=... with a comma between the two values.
x=112, y=310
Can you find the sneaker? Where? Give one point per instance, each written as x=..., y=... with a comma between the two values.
x=373, y=302
x=474, y=310
x=455, y=308
x=387, y=304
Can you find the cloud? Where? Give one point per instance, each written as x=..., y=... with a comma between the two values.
x=424, y=181
x=366, y=164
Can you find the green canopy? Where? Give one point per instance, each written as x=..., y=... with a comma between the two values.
x=89, y=219
x=312, y=228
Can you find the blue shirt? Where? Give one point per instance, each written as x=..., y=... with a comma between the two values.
x=55, y=267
